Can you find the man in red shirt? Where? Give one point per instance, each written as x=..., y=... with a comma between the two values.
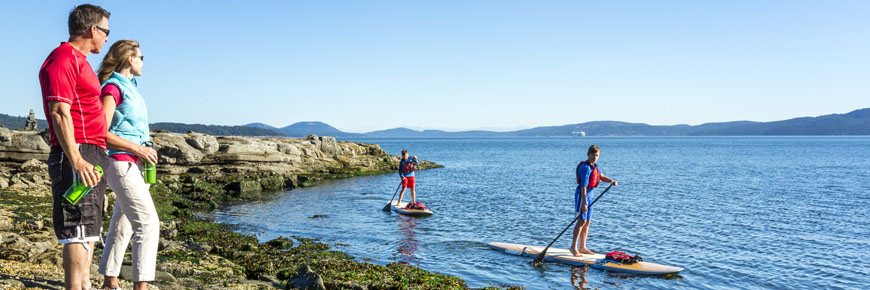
x=71, y=100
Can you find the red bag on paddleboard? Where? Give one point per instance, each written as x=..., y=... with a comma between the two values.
x=622, y=257
x=418, y=205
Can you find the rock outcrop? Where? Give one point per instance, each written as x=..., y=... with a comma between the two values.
x=23, y=155
x=20, y=146
x=194, y=152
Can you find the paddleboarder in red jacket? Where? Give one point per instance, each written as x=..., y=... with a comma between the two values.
x=588, y=177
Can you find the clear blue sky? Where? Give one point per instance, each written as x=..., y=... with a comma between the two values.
x=370, y=65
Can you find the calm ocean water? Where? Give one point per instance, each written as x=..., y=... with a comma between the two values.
x=735, y=212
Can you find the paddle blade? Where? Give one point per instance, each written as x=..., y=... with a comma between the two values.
x=387, y=208
x=539, y=260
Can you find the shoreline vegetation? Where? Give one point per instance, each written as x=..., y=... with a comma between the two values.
x=199, y=173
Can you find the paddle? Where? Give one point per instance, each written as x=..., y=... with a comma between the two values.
x=543, y=253
x=387, y=208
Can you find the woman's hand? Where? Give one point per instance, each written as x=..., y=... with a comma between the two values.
x=147, y=154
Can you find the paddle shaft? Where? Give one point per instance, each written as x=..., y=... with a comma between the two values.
x=544, y=252
x=387, y=208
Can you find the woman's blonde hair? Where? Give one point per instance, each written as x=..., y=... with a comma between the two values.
x=116, y=58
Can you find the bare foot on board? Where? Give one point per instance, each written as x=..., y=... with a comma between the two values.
x=575, y=253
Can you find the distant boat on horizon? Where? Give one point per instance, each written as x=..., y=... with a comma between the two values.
x=578, y=133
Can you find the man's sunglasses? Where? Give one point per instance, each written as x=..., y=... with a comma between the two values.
x=106, y=31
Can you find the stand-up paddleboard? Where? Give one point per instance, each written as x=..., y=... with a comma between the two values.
x=595, y=261
x=400, y=208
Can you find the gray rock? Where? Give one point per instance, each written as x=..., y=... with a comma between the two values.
x=5, y=224
x=200, y=247
x=160, y=276
x=5, y=135
x=29, y=225
x=23, y=250
x=328, y=145
x=266, y=282
x=21, y=146
x=306, y=279
x=168, y=245
x=190, y=283
x=126, y=273
x=176, y=269
x=173, y=149
x=206, y=143
x=250, y=186
x=289, y=149
x=354, y=286
x=4, y=183
x=33, y=165
x=8, y=237
x=11, y=283
x=258, y=148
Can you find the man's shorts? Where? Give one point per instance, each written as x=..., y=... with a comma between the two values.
x=408, y=182
x=577, y=204
x=82, y=222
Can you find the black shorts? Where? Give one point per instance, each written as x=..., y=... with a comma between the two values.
x=82, y=222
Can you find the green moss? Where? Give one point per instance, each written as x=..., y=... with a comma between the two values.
x=26, y=207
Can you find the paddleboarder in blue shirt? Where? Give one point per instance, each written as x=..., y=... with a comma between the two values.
x=588, y=177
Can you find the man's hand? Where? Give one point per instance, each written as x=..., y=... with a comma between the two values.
x=86, y=172
x=614, y=182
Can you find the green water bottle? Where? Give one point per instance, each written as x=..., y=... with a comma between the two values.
x=150, y=173
x=78, y=189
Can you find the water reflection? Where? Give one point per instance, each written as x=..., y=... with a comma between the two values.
x=578, y=277
x=408, y=245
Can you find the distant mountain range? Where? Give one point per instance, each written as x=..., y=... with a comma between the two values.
x=303, y=129
x=215, y=129
x=853, y=123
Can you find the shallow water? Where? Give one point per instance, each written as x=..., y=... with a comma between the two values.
x=741, y=212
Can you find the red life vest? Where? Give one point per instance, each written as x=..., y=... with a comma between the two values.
x=408, y=167
x=593, y=178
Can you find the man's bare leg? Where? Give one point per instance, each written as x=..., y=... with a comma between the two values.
x=583, y=234
x=401, y=195
x=76, y=266
x=574, y=237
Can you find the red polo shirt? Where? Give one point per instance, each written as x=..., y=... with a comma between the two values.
x=66, y=76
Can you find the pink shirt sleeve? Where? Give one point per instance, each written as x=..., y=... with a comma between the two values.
x=114, y=91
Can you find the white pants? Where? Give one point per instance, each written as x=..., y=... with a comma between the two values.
x=134, y=216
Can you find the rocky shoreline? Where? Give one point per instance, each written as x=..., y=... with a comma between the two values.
x=199, y=173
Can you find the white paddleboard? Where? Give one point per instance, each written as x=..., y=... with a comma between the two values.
x=400, y=208
x=596, y=261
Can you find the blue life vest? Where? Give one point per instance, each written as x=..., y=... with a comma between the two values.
x=130, y=120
